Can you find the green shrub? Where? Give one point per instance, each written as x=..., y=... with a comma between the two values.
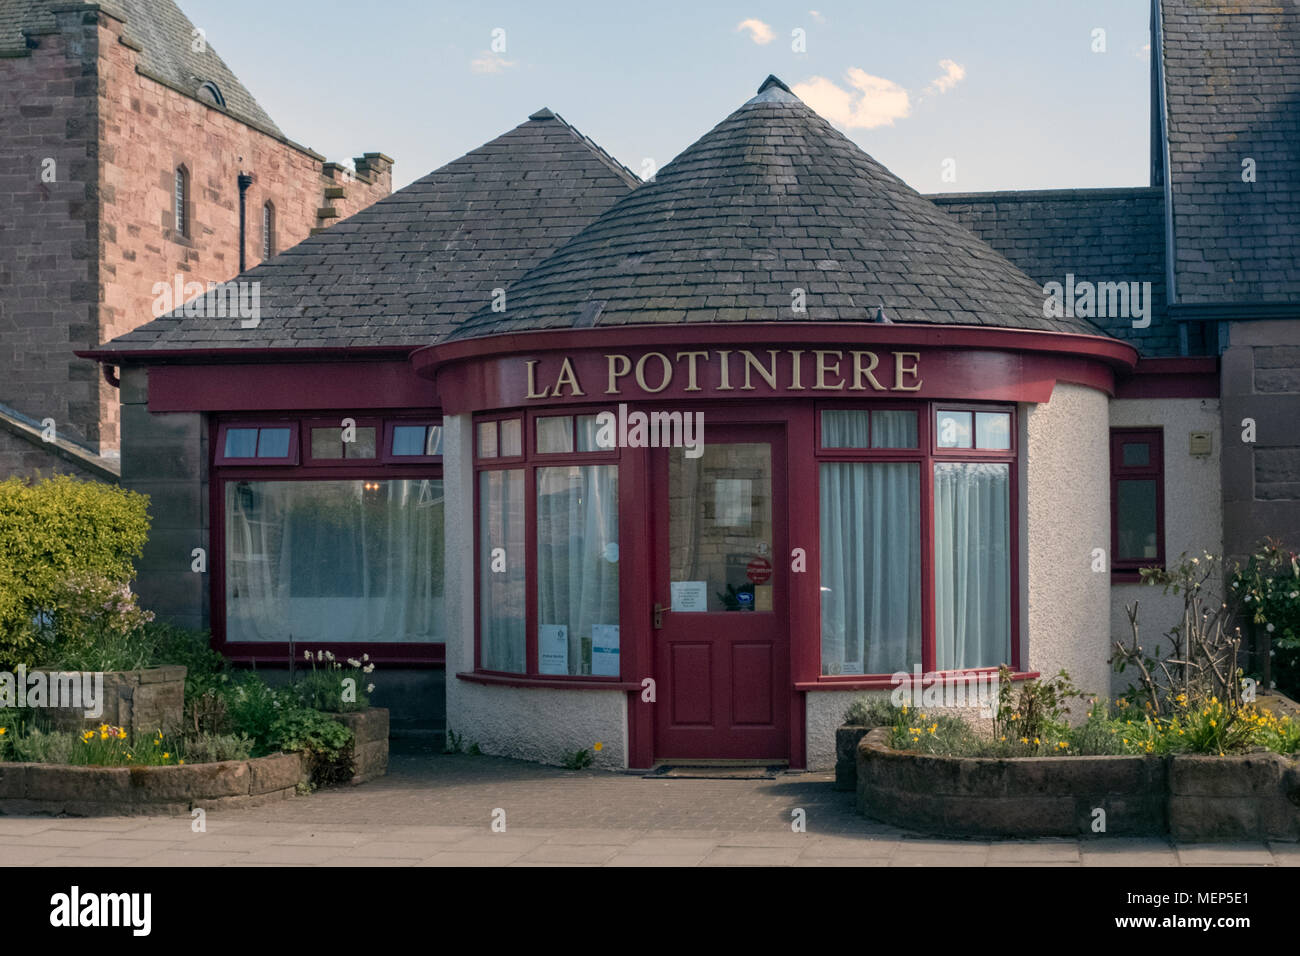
x=872, y=712
x=213, y=748
x=65, y=544
x=1269, y=589
x=327, y=743
x=333, y=688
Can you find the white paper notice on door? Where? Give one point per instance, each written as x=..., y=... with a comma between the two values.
x=553, y=648
x=690, y=596
x=604, y=650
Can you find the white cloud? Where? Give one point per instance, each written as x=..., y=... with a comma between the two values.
x=489, y=62
x=869, y=102
x=953, y=73
x=759, y=31
x=817, y=17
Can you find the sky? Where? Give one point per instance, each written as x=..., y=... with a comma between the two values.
x=951, y=95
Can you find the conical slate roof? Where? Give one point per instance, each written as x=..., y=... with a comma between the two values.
x=770, y=201
x=403, y=271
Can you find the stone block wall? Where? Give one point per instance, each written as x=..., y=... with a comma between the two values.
x=165, y=456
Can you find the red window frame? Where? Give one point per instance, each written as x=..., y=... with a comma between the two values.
x=1127, y=569
x=363, y=421
x=219, y=446
x=525, y=437
x=386, y=450
x=224, y=471
x=529, y=463
x=926, y=455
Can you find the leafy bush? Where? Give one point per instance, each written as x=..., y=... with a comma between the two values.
x=327, y=743
x=333, y=688
x=1033, y=710
x=1269, y=589
x=64, y=543
x=872, y=712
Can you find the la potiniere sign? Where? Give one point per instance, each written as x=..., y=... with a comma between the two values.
x=585, y=375
x=719, y=371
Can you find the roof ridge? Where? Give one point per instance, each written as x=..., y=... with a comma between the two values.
x=591, y=144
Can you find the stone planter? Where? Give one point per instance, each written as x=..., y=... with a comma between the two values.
x=370, y=749
x=847, y=738
x=143, y=702
x=119, y=791
x=1191, y=798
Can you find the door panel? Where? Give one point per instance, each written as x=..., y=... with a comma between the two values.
x=722, y=653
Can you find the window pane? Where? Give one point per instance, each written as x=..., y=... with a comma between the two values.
x=993, y=430
x=273, y=443
x=844, y=428
x=720, y=520
x=409, y=440
x=241, y=443
x=1137, y=454
x=487, y=440
x=952, y=429
x=555, y=435
x=512, y=442
x=502, y=606
x=334, y=560
x=433, y=441
x=1136, y=514
x=870, y=567
x=577, y=570
x=972, y=565
x=893, y=429
x=588, y=432
x=327, y=442
x=362, y=445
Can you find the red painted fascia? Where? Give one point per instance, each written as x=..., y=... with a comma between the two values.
x=1187, y=377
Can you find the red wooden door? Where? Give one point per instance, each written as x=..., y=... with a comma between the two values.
x=722, y=654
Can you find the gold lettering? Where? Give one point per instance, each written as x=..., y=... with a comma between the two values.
x=900, y=371
x=614, y=376
x=859, y=373
x=667, y=373
x=796, y=384
x=725, y=362
x=767, y=374
x=567, y=377
x=823, y=368
x=532, y=383
x=691, y=385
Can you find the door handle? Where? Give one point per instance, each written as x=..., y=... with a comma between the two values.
x=658, y=616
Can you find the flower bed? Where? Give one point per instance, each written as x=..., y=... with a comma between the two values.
x=103, y=791
x=1189, y=797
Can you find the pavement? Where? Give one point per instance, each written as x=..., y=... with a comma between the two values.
x=439, y=810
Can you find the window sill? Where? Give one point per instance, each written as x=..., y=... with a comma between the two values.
x=1128, y=575
x=888, y=683
x=556, y=683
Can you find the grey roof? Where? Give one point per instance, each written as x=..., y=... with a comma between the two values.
x=403, y=271
x=772, y=200
x=1097, y=235
x=1232, y=75
x=165, y=36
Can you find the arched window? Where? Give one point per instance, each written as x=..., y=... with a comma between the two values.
x=268, y=231
x=181, y=201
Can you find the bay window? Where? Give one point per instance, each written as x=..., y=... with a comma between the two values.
x=915, y=525
x=345, y=548
x=548, y=548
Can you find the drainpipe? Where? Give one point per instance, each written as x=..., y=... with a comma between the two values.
x=245, y=181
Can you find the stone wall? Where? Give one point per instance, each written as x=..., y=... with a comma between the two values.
x=165, y=456
x=1192, y=798
x=1261, y=480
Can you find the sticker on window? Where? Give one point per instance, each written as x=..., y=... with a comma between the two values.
x=553, y=648
x=690, y=596
x=604, y=650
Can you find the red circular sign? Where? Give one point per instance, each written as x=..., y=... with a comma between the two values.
x=759, y=570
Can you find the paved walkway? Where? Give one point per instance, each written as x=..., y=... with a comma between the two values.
x=435, y=810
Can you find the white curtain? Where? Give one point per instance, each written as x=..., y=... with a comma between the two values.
x=870, y=567
x=972, y=564
x=502, y=562
x=577, y=556
x=334, y=560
